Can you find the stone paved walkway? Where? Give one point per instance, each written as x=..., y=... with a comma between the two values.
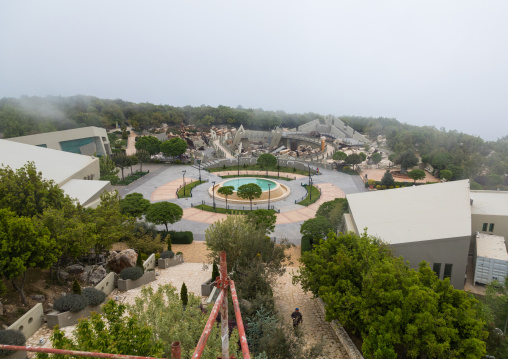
x=288, y=297
x=168, y=190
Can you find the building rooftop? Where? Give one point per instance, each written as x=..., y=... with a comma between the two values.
x=84, y=191
x=414, y=214
x=491, y=246
x=489, y=202
x=55, y=165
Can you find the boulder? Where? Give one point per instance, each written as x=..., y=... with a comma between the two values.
x=125, y=259
x=75, y=269
x=97, y=274
x=63, y=275
x=93, y=274
x=39, y=298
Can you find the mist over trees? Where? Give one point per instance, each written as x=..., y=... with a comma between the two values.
x=464, y=155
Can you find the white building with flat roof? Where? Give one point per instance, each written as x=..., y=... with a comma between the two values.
x=85, y=141
x=489, y=213
x=76, y=174
x=422, y=223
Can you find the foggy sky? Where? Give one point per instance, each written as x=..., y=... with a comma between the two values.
x=432, y=62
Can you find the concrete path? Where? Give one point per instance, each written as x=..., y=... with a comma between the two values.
x=226, y=152
x=131, y=144
x=168, y=190
x=293, y=176
x=288, y=297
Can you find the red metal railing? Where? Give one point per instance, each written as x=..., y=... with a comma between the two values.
x=223, y=282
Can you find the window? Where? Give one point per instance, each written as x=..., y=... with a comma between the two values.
x=437, y=269
x=447, y=270
x=491, y=227
x=484, y=228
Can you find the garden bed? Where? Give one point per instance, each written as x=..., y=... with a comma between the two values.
x=128, y=284
x=164, y=263
x=316, y=193
x=65, y=319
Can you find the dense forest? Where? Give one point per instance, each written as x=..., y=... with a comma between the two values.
x=464, y=155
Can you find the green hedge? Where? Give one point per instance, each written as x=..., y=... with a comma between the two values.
x=184, y=237
x=306, y=244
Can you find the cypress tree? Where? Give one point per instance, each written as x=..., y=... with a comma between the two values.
x=139, y=263
x=168, y=239
x=215, y=271
x=76, y=288
x=183, y=295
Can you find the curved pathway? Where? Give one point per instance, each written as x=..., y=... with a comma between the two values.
x=293, y=176
x=168, y=190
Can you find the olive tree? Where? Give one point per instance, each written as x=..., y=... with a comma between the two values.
x=164, y=213
x=249, y=191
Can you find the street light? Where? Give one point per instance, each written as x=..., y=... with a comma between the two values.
x=278, y=167
x=213, y=194
x=199, y=168
x=239, y=165
x=183, y=180
x=310, y=190
x=269, y=185
x=309, y=175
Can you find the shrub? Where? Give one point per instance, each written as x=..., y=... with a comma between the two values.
x=346, y=168
x=94, y=296
x=11, y=337
x=177, y=253
x=76, y=288
x=132, y=273
x=185, y=237
x=223, y=167
x=177, y=162
x=167, y=254
x=168, y=241
x=378, y=186
x=70, y=302
x=306, y=243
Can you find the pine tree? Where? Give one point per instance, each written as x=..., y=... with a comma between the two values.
x=76, y=288
x=183, y=295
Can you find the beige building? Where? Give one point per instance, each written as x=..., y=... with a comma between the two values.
x=489, y=213
x=76, y=174
x=84, y=141
x=424, y=223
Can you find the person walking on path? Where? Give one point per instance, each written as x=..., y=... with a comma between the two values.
x=297, y=318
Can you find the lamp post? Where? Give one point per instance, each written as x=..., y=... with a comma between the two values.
x=309, y=175
x=269, y=185
x=239, y=165
x=278, y=167
x=199, y=169
x=183, y=180
x=310, y=189
x=213, y=194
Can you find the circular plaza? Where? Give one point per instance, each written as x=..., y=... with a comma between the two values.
x=272, y=190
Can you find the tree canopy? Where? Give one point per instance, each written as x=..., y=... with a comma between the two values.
x=398, y=311
x=267, y=160
x=339, y=156
x=406, y=159
x=173, y=147
x=164, y=213
x=134, y=204
x=354, y=159
x=226, y=191
x=249, y=191
x=263, y=218
x=316, y=228
x=416, y=174
x=149, y=144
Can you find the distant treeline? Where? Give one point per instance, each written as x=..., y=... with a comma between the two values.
x=465, y=155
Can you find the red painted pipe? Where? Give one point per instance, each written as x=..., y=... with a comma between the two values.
x=239, y=322
x=71, y=352
x=176, y=350
x=208, y=327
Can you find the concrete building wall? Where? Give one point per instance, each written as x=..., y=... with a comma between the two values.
x=89, y=172
x=53, y=140
x=444, y=251
x=500, y=225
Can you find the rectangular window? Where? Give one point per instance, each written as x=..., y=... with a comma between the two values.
x=437, y=269
x=484, y=228
x=447, y=270
x=491, y=227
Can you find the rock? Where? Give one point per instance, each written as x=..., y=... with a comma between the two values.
x=97, y=274
x=5, y=326
x=92, y=274
x=125, y=259
x=64, y=275
x=75, y=269
x=39, y=297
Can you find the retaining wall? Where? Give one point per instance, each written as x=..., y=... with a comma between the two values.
x=128, y=284
x=107, y=284
x=149, y=263
x=30, y=322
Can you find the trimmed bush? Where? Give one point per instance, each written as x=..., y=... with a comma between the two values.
x=167, y=254
x=215, y=271
x=70, y=302
x=132, y=273
x=94, y=296
x=11, y=337
x=306, y=244
x=178, y=253
x=185, y=237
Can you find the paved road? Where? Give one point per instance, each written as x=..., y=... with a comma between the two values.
x=338, y=183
